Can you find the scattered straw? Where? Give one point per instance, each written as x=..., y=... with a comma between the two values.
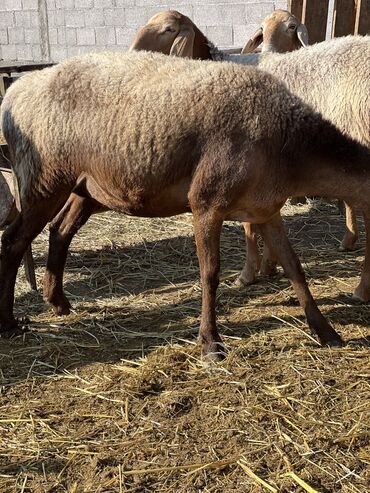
x=115, y=398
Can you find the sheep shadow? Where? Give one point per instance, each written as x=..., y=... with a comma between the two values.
x=108, y=325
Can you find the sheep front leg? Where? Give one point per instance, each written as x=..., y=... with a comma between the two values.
x=207, y=230
x=351, y=234
x=65, y=225
x=274, y=233
x=252, y=261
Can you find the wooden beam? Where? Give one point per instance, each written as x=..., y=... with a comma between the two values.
x=315, y=17
x=344, y=17
x=362, y=23
x=296, y=8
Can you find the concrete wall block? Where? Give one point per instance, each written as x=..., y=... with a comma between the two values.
x=7, y=19
x=56, y=18
x=218, y=15
x=34, y=18
x=64, y=4
x=281, y=4
x=11, y=5
x=74, y=18
x=256, y=12
x=31, y=36
x=85, y=36
x=36, y=52
x=129, y=3
x=61, y=36
x=71, y=36
x=94, y=18
x=103, y=3
x=125, y=36
x=221, y=36
x=23, y=18
x=79, y=50
x=4, y=40
x=30, y=4
x=105, y=36
x=50, y=4
x=9, y=52
x=114, y=17
x=84, y=4
x=53, y=36
x=16, y=35
x=58, y=53
x=24, y=52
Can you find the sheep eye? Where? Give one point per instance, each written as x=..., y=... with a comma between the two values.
x=169, y=30
x=292, y=27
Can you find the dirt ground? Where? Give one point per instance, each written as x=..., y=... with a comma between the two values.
x=114, y=397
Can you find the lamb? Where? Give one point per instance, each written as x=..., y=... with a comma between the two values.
x=150, y=135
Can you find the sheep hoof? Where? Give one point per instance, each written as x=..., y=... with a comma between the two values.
x=360, y=294
x=10, y=328
x=61, y=306
x=213, y=352
x=242, y=282
x=332, y=339
x=62, y=310
x=348, y=245
x=335, y=343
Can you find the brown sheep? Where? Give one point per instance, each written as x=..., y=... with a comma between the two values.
x=149, y=135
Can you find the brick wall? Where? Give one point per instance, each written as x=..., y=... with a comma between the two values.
x=56, y=29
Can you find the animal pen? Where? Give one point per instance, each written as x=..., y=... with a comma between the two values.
x=115, y=398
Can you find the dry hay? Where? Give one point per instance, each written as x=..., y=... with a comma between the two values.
x=114, y=398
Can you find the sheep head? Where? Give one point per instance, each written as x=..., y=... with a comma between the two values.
x=280, y=32
x=172, y=33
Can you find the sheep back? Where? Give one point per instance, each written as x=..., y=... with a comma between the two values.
x=143, y=119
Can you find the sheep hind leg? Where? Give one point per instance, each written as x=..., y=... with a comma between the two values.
x=252, y=262
x=207, y=230
x=14, y=242
x=74, y=214
x=351, y=234
x=269, y=261
x=362, y=292
x=274, y=233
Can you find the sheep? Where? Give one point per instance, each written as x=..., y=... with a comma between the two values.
x=303, y=72
x=153, y=136
x=332, y=77
x=280, y=32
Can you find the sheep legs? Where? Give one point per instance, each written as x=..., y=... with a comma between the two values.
x=274, y=233
x=362, y=292
x=15, y=240
x=207, y=230
x=65, y=225
x=253, y=262
x=351, y=234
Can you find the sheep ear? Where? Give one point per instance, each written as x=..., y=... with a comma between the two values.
x=183, y=43
x=302, y=34
x=255, y=41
